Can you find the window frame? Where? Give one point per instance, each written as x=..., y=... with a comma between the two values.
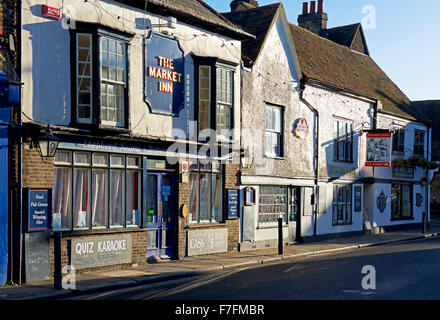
x=272, y=131
x=399, y=147
x=419, y=147
x=210, y=172
x=337, y=140
x=401, y=216
x=288, y=206
x=335, y=217
x=107, y=168
x=215, y=64
x=97, y=32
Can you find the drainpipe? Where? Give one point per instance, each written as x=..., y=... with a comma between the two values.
x=427, y=200
x=308, y=104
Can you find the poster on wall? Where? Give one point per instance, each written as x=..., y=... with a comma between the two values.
x=378, y=149
x=164, y=74
x=38, y=210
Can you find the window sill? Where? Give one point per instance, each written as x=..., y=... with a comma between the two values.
x=402, y=219
x=262, y=227
x=103, y=231
x=343, y=161
x=275, y=157
x=342, y=224
x=205, y=225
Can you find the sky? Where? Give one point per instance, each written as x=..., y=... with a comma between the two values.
x=402, y=36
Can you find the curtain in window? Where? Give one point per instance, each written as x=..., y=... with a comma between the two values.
x=216, y=197
x=133, y=196
x=99, y=198
x=61, y=199
x=80, y=198
x=204, y=197
x=116, y=204
x=193, y=197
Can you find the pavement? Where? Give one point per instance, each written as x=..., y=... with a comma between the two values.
x=92, y=282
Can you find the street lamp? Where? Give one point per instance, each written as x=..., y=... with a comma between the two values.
x=48, y=144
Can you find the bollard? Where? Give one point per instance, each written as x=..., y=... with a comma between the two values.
x=280, y=235
x=58, y=276
x=424, y=223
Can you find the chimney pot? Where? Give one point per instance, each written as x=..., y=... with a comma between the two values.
x=305, y=8
x=320, y=5
x=313, y=7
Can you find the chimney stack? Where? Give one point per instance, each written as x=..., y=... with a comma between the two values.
x=313, y=21
x=305, y=8
x=312, y=7
x=320, y=6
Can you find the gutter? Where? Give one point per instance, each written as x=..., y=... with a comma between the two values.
x=316, y=200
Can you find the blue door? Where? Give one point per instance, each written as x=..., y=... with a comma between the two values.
x=3, y=204
x=159, y=218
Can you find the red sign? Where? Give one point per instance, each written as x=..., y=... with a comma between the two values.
x=378, y=149
x=50, y=12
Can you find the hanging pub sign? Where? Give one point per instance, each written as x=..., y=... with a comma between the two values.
x=164, y=74
x=378, y=149
x=38, y=208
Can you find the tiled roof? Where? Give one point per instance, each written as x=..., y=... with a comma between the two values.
x=256, y=21
x=326, y=61
x=194, y=12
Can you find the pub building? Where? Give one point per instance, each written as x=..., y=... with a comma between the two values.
x=130, y=92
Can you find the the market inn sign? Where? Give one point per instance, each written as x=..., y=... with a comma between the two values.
x=164, y=74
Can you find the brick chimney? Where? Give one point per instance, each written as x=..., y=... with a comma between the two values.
x=242, y=5
x=314, y=21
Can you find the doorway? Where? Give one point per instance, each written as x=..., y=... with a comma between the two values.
x=159, y=216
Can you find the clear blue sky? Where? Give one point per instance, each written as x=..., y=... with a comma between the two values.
x=405, y=42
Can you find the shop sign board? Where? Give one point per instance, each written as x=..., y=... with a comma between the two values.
x=207, y=241
x=100, y=251
x=378, y=149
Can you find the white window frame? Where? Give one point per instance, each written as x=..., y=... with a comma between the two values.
x=272, y=132
x=202, y=134
x=78, y=119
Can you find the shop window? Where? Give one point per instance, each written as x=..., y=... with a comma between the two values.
x=401, y=201
x=419, y=143
x=101, y=77
x=272, y=204
x=274, y=131
x=206, y=192
x=342, y=207
x=215, y=92
x=399, y=141
x=343, y=141
x=96, y=190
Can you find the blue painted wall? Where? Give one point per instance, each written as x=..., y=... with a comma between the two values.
x=3, y=204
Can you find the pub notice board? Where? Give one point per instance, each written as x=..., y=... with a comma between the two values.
x=37, y=209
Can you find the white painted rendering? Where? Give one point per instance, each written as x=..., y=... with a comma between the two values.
x=47, y=56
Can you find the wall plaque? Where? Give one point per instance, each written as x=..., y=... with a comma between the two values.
x=92, y=252
x=381, y=202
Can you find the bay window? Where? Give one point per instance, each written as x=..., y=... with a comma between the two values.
x=101, y=77
x=206, y=192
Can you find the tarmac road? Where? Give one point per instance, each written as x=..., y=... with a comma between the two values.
x=405, y=270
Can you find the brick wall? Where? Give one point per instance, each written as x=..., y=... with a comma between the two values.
x=139, y=249
x=36, y=172
x=231, y=180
